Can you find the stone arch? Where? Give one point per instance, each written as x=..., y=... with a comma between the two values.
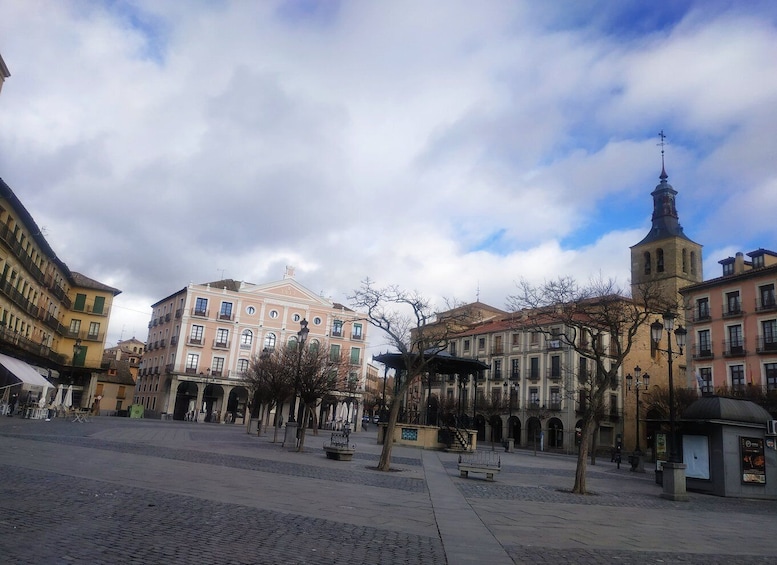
x=185, y=400
x=555, y=433
x=496, y=428
x=514, y=429
x=533, y=431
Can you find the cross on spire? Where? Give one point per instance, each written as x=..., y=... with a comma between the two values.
x=661, y=135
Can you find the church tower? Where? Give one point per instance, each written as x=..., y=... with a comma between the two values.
x=666, y=255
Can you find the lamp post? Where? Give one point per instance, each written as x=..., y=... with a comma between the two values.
x=639, y=380
x=674, y=481
x=291, y=424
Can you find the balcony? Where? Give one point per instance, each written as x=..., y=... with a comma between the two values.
x=220, y=344
x=178, y=313
x=199, y=313
x=497, y=350
x=766, y=344
x=194, y=341
x=534, y=375
x=337, y=332
x=702, y=351
x=734, y=349
x=174, y=340
x=732, y=309
x=554, y=374
x=701, y=314
x=554, y=406
x=226, y=316
x=357, y=337
x=765, y=303
x=553, y=345
x=191, y=370
x=515, y=375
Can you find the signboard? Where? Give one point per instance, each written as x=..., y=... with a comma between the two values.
x=660, y=451
x=751, y=454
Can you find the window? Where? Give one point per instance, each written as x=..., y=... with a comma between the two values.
x=516, y=340
x=534, y=368
x=94, y=330
x=201, y=307
x=555, y=366
x=196, y=335
x=704, y=343
x=702, y=308
x=334, y=352
x=771, y=376
x=192, y=360
x=534, y=397
x=355, y=355
x=481, y=343
x=452, y=348
x=693, y=262
x=648, y=266
x=242, y=366
x=337, y=328
x=99, y=305
x=515, y=369
x=80, y=302
x=466, y=345
x=766, y=296
x=250, y=310
x=735, y=340
x=498, y=369
x=222, y=337
x=769, y=335
x=313, y=345
x=535, y=339
x=732, y=303
x=269, y=341
x=273, y=314
x=705, y=380
x=685, y=261
x=75, y=327
x=226, y=311
x=555, y=398
x=296, y=317
x=317, y=321
x=728, y=269
x=246, y=339
x=659, y=260
x=217, y=366
x=582, y=369
x=758, y=261
x=737, y=377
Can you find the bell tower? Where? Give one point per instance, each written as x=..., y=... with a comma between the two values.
x=666, y=256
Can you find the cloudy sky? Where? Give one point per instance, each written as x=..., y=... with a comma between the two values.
x=449, y=147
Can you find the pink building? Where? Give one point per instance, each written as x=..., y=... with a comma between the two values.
x=202, y=338
x=733, y=325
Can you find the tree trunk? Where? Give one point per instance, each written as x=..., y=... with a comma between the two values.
x=593, y=445
x=582, y=456
x=388, y=439
x=301, y=430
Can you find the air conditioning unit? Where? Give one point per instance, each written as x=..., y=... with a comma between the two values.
x=771, y=427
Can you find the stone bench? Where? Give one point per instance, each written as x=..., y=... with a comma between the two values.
x=487, y=462
x=339, y=447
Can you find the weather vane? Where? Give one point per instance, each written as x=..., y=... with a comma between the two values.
x=661, y=144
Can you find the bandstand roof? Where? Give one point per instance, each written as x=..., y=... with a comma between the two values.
x=442, y=363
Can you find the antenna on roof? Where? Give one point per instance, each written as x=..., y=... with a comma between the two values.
x=222, y=272
x=477, y=293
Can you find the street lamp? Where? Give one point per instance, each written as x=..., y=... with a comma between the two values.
x=674, y=481
x=639, y=380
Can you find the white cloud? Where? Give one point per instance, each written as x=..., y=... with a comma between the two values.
x=443, y=150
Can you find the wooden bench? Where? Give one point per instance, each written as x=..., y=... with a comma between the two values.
x=339, y=447
x=487, y=462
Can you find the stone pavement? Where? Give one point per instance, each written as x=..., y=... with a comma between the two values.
x=145, y=491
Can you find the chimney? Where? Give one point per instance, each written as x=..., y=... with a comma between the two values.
x=739, y=263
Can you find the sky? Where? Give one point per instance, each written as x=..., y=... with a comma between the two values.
x=449, y=147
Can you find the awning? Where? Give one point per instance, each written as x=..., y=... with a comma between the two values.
x=24, y=372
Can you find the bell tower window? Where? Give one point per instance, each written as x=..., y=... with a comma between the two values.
x=659, y=260
x=647, y=263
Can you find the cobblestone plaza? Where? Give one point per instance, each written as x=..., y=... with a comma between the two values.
x=117, y=490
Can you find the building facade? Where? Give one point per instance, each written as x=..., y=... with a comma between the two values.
x=202, y=338
x=733, y=334
x=51, y=318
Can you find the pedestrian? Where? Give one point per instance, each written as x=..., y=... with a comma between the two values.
x=12, y=404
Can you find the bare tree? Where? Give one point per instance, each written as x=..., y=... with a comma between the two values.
x=600, y=322
x=410, y=325
x=319, y=375
x=271, y=378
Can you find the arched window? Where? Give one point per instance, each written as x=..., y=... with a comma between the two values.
x=246, y=338
x=693, y=262
x=648, y=267
x=685, y=261
x=659, y=260
x=269, y=341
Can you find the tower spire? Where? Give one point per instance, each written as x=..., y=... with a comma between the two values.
x=661, y=135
